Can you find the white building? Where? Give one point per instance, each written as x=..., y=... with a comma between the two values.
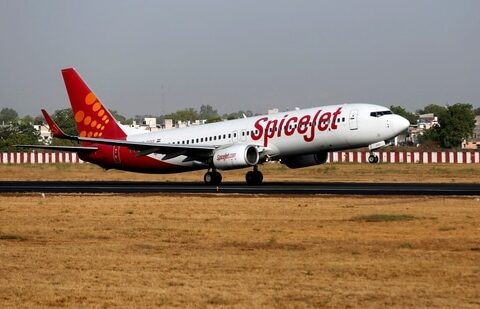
x=45, y=136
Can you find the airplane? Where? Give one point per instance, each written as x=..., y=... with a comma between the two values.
x=297, y=138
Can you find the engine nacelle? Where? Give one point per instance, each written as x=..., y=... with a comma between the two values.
x=305, y=160
x=236, y=156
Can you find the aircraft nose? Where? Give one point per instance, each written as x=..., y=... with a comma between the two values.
x=401, y=124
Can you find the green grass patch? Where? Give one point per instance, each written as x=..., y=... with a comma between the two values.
x=12, y=237
x=406, y=245
x=383, y=218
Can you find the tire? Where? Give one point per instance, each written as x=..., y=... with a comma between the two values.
x=254, y=178
x=217, y=178
x=371, y=158
x=212, y=178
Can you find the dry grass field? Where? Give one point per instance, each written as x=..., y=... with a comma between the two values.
x=241, y=251
x=448, y=173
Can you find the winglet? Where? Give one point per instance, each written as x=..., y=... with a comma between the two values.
x=54, y=128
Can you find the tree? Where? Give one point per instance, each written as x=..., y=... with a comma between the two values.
x=17, y=133
x=8, y=115
x=64, y=119
x=455, y=124
x=188, y=114
x=118, y=117
x=237, y=115
x=207, y=112
x=435, y=109
x=38, y=120
x=213, y=119
x=404, y=113
x=28, y=119
x=477, y=111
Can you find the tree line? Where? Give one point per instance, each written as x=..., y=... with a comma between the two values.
x=456, y=123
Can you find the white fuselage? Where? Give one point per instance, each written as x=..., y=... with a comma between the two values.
x=306, y=131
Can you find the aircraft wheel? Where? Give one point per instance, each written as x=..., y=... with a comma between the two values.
x=372, y=158
x=254, y=178
x=212, y=178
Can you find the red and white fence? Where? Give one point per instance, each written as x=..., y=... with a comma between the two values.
x=333, y=157
x=38, y=157
x=407, y=157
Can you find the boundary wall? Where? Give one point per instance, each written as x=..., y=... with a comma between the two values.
x=406, y=157
x=460, y=157
x=38, y=157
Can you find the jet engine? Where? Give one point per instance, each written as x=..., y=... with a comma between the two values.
x=235, y=156
x=305, y=160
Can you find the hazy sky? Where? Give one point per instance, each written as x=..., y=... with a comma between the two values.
x=154, y=57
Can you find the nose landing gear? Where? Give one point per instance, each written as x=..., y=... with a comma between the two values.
x=372, y=158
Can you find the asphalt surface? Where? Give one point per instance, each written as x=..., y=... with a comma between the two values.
x=289, y=188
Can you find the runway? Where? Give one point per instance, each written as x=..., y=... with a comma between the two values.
x=279, y=188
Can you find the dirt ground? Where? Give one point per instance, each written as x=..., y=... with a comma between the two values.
x=239, y=251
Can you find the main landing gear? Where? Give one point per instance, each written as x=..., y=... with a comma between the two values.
x=372, y=158
x=212, y=178
x=253, y=178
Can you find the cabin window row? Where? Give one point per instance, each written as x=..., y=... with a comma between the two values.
x=244, y=133
x=206, y=139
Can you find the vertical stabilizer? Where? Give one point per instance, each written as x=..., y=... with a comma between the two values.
x=91, y=116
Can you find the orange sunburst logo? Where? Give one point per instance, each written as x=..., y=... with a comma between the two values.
x=93, y=118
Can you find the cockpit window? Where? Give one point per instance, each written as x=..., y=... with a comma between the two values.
x=380, y=114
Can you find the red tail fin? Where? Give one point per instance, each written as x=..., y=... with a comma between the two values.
x=91, y=116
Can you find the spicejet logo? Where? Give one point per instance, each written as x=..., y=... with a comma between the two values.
x=226, y=156
x=305, y=125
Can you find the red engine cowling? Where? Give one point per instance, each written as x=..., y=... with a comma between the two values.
x=236, y=156
x=305, y=160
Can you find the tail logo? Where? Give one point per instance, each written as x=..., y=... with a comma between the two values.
x=93, y=119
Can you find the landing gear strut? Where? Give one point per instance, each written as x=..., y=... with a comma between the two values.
x=372, y=158
x=254, y=178
x=212, y=178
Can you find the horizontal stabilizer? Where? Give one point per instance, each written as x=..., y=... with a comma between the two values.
x=60, y=148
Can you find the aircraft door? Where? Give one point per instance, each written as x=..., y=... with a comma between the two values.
x=353, y=119
x=116, y=154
